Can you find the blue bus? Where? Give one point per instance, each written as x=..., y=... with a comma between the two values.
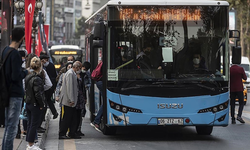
x=165, y=63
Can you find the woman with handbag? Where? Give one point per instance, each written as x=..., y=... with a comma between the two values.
x=35, y=101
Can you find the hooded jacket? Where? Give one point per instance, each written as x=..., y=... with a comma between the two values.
x=34, y=87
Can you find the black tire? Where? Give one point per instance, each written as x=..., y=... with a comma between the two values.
x=107, y=130
x=204, y=130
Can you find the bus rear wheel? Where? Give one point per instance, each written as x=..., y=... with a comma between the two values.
x=204, y=130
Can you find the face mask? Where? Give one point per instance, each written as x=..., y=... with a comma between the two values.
x=122, y=54
x=83, y=71
x=70, y=62
x=78, y=71
x=196, y=61
x=46, y=64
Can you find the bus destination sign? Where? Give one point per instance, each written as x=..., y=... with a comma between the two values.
x=65, y=52
x=161, y=14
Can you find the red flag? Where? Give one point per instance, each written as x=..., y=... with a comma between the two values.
x=39, y=45
x=29, y=13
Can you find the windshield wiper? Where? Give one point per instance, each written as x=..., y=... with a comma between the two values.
x=142, y=86
x=206, y=87
x=166, y=82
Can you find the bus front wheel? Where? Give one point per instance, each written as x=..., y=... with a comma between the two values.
x=204, y=130
x=107, y=130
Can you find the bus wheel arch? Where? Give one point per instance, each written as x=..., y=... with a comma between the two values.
x=107, y=130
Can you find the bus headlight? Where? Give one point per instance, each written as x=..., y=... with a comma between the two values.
x=216, y=108
x=123, y=108
x=57, y=66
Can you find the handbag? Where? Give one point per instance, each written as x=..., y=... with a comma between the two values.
x=97, y=72
x=23, y=115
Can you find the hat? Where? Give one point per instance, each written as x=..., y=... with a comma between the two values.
x=44, y=56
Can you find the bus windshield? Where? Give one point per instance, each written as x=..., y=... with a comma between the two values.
x=60, y=56
x=168, y=43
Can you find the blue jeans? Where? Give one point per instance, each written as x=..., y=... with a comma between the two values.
x=100, y=112
x=11, y=121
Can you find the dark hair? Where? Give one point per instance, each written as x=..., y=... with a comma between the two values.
x=22, y=53
x=194, y=46
x=72, y=57
x=149, y=44
x=70, y=63
x=87, y=65
x=17, y=34
x=43, y=53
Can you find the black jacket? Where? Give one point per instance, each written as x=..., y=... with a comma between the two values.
x=51, y=71
x=34, y=86
x=14, y=73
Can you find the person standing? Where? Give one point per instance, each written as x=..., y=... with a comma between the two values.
x=35, y=101
x=14, y=74
x=50, y=69
x=237, y=73
x=68, y=99
x=70, y=59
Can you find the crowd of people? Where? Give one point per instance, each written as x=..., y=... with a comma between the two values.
x=33, y=80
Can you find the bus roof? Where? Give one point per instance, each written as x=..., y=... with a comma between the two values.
x=167, y=2
x=57, y=47
x=161, y=2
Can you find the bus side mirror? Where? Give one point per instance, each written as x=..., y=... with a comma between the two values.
x=236, y=55
x=234, y=34
x=99, y=30
x=98, y=34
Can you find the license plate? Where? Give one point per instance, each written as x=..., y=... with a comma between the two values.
x=170, y=121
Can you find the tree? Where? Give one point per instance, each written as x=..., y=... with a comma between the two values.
x=80, y=28
x=242, y=8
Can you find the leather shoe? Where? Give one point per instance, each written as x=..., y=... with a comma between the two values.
x=55, y=116
x=41, y=130
x=79, y=133
x=63, y=137
x=75, y=137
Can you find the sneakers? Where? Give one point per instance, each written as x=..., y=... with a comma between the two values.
x=96, y=126
x=33, y=147
x=240, y=119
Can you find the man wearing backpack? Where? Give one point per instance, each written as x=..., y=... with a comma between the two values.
x=14, y=74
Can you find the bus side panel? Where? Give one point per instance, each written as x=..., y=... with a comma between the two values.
x=153, y=108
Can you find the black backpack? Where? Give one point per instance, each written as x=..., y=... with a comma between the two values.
x=4, y=90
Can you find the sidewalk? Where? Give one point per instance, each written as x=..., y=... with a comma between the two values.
x=20, y=144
